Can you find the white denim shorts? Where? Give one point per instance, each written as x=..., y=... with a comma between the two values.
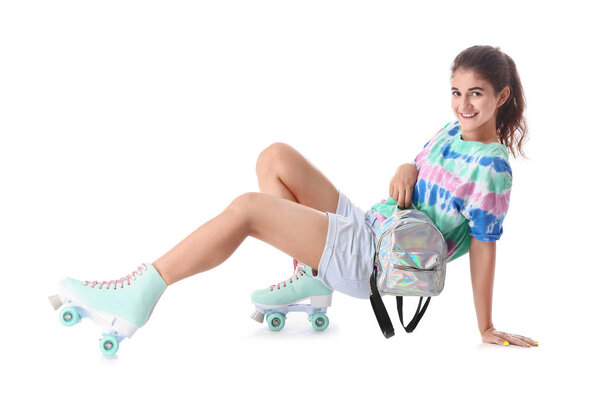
x=346, y=264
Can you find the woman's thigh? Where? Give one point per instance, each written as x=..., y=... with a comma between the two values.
x=293, y=228
x=305, y=181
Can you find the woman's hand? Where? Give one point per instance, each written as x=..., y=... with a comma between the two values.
x=402, y=184
x=491, y=335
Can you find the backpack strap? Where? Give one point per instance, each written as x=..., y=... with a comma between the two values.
x=418, y=314
x=383, y=318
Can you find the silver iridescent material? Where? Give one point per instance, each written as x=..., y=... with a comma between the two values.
x=411, y=255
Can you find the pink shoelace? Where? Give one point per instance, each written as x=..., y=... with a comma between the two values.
x=128, y=278
x=297, y=273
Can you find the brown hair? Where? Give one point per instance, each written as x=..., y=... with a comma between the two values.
x=499, y=70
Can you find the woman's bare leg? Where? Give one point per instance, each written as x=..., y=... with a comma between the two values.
x=269, y=218
x=284, y=172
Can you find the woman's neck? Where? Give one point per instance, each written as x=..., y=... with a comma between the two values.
x=484, y=134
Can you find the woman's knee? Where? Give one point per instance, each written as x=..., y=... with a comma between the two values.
x=270, y=158
x=242, y=207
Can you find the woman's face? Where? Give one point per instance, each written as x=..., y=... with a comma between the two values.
x=473, y=95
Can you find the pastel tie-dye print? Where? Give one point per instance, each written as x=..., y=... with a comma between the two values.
x=463, y=186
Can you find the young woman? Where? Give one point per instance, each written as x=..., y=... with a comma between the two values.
x=461, y=180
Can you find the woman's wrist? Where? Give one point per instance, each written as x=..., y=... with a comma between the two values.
x=488, y=328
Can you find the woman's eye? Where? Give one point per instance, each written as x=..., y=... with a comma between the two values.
x=474, y=92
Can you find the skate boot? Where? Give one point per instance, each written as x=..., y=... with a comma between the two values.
x=119, y=307
x=277, y=300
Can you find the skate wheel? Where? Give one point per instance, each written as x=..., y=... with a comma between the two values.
x=276, y=321
x=320, y=321
x=69, y=316
x=109, y=345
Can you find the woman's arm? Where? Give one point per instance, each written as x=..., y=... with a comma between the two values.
x=482, y=256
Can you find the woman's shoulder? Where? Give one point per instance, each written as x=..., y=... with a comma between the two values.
x=440, y=136
x=493, y=171
x=448, y=128
x=452, y=127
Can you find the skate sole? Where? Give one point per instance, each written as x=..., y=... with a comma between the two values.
x=316, y=302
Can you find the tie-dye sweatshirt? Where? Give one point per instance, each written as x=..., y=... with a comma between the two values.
x=463, y=186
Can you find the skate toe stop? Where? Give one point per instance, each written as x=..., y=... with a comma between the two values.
x=55, y=301
x=258, y=316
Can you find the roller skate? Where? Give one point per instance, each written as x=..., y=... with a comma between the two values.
x=119, y=307
x=278, y=300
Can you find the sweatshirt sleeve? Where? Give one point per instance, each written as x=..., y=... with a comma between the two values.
x=486, y=205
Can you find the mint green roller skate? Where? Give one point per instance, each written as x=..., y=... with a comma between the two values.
x=119, y=307
x=278, y=300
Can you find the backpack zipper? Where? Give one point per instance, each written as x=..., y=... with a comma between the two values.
x=413, y=269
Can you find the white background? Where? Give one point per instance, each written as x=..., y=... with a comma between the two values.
x=126, y=125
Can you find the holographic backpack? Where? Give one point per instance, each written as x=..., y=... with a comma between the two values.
x=410, y=260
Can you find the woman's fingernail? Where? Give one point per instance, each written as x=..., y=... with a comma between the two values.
x=537, y=343
x=505, y=343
